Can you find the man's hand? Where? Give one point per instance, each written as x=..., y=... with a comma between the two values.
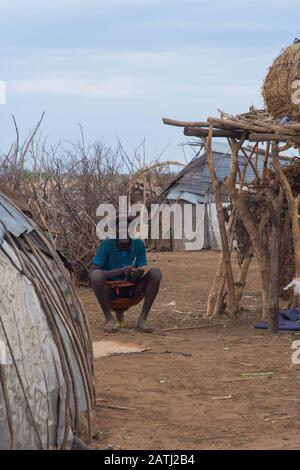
x=132, y=274
x=136, y=274
x=127, y=270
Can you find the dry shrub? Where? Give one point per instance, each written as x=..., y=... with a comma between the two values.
x=66, y=183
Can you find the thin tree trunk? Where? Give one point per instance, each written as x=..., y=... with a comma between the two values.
x=274, y=279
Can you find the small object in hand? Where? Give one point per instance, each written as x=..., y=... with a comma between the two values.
x=135, y=274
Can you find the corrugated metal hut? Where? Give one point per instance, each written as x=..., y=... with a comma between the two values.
x=193, y=186
x=46, y=361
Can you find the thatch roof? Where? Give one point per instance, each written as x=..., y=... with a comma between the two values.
x=46, y=362
x=281, y=85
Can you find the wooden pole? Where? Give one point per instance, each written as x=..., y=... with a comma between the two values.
x=256, y=239
x=266, y=159
x=216, y=293
x=172, y=122
x=293, y=204
x=274, y=207
x=232, y=307
x=243, y=274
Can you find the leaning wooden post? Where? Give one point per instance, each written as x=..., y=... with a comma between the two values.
x=274, y=278
x=215, y=294
x=265, y=166
x=256, y=239
x=243, y=274
x=220, y=294
x=293, y=204
x=274, y=207
x=215, y=288
x=232, y=307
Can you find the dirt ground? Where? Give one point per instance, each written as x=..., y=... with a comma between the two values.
x=196, y=388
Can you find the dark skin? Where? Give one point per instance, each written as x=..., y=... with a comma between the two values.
x=147, y=284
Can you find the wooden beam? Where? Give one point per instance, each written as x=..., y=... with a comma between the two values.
x=198, y=132
x=274, y=128
x=234, y=124
x=294, y=126
x=172, y=122
x=273, y=137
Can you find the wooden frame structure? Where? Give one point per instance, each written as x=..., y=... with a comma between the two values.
x=266, y=209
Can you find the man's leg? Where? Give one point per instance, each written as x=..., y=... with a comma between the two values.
x=101, y=291
x=150, y=285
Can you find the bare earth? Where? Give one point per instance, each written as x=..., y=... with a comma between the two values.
x=189, y=391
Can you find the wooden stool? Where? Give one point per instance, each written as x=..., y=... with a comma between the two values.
x=119, y=305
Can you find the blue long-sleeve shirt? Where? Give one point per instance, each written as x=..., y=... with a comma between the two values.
x=109, y=257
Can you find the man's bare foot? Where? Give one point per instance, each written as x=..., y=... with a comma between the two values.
x=110, y=326
x=144, y=327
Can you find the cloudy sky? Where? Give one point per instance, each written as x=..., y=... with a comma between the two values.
x=118, y=66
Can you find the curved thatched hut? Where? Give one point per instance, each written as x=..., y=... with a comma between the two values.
x=46, y=362
x=282, y=83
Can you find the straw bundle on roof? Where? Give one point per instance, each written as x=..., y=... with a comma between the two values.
x=280, y=89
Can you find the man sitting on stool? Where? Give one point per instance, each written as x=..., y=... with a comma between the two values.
x=121, y=259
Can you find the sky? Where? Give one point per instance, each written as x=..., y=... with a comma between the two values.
x=118, y=66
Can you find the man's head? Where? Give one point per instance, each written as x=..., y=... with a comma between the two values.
x=122, y=222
